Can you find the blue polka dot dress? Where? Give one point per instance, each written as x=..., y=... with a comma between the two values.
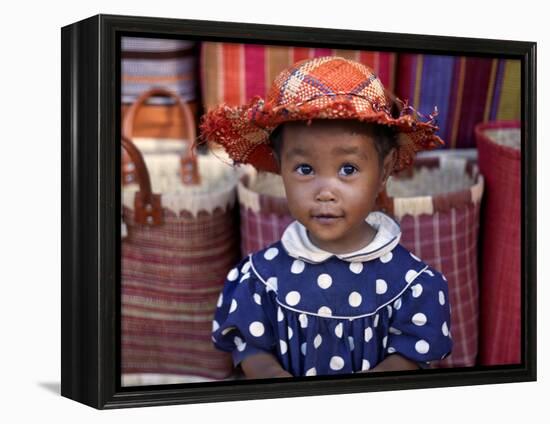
x=320, y=313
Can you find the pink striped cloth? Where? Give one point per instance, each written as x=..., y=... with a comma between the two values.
x=233, y=73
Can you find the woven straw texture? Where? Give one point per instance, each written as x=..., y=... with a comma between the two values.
x=501, y=247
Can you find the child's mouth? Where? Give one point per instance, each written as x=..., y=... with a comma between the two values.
x=326, y=218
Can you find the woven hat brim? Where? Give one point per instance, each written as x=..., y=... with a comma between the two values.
x=244, y=130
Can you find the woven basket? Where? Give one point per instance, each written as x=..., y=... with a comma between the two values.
x=181, y=239
x=437, y=204
x=500, y=161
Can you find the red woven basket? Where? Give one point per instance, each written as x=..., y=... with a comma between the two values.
x=500, y=162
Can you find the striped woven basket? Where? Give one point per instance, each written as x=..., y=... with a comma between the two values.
x=499, y=145
x=437, y=204
x=263, y=208
x=181, y=239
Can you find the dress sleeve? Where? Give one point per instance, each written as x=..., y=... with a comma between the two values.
x=243, y=322
x=420, y=324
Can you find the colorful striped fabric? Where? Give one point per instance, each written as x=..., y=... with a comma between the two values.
x=234, y=73
x=466, y=91
x=149, y=62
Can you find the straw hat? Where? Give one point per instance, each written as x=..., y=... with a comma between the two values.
x=321, y=88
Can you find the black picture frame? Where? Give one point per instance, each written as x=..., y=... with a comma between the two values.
x=90, y=175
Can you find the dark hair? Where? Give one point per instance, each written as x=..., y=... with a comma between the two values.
x=385, y=137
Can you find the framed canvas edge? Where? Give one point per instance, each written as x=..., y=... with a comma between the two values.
x=90, y=371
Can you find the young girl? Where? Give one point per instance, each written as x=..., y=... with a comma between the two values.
x=337, y=293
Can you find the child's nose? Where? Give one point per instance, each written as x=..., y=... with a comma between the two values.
x=325, y=195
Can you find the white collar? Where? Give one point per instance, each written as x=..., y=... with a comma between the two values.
x=388, y=233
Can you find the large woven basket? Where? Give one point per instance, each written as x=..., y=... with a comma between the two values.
x=500, y=161
x=181, y=239
x=437, y=204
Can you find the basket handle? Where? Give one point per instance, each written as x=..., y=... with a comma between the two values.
x=188, y=164
x=147, y=205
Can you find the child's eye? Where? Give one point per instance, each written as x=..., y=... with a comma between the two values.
x=304, y=169
x=347, y=170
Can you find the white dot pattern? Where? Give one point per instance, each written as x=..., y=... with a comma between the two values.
x=303, y=320
x=395, y=331
x=271, y=253
x=317, y=341
x=410, y=275
x=419, y=319
x=381, y=286
x=311, y=372
x=292, y=298
x=280, y=315
x=272, y=284
x=336, y=363
x=355, y=299
x=297, y=266
x=422, y=346
x=397, y=304
x=356, y=267
x=324, y=281
x=338, y=330
x=256, y=329
x=325, y=311
x=417, y=290
x=332, y=313
x=368, y=334
x=386, y=258
x=351, y=343
x=246, y=267
x=233, y=274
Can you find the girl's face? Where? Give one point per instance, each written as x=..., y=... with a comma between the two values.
x=332, y=177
